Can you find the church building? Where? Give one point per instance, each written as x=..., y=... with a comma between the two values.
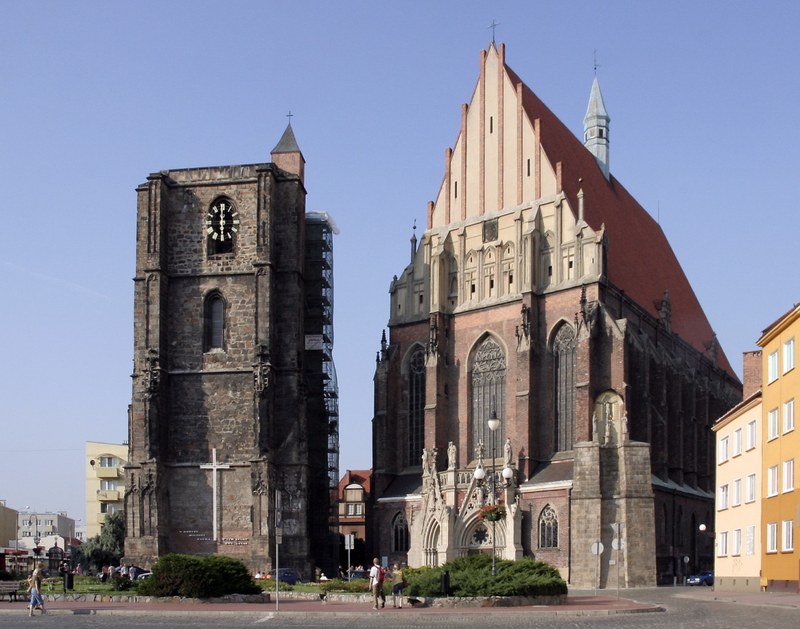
x=233, y=425
x=549, y=379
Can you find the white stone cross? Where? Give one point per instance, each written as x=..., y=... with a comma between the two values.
x=214, y=467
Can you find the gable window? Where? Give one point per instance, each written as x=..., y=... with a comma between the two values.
x=399, y=534
x=488, y=380
x=416, y=406
x=564, y=368
x=548, y=528
x=213, y=322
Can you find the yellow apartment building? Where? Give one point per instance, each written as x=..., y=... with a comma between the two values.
x=737, y=564
x=105, y=482
x=780, y=560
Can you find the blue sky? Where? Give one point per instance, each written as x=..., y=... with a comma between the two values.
x=703, y=102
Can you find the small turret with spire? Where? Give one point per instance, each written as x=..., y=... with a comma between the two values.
x=287, y=156
x=595, y=128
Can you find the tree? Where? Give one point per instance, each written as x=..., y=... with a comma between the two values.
x=108, y=547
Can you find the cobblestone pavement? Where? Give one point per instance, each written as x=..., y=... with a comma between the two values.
x=681, y=607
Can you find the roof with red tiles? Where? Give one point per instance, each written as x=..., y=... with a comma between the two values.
x=640, y=260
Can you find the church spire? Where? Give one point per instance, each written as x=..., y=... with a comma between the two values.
x=287, y=156
x=595, y=128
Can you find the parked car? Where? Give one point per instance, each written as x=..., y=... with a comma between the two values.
x=702, y=578
x=289, y=576
x=143, y=576
x=359, y=574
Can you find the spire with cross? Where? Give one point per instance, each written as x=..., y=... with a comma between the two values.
x=493, y=26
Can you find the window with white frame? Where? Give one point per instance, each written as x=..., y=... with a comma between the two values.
x=788, y=355
x=788, y=475
x=736, y=542
x=787, y=537
x=751, y=435
x=772, y=424
x=736, y=497
x=772, y=481
x=772, y=367
x=750, y=540
x=750, y=488
x=723, y=450
x=722, y=544
x=723, y=497
x=788, y=416
x=737, y=442
x=772, y=537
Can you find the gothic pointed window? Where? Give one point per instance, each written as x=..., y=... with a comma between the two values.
x=416, y=406
x=488, y=379
x=548, y=528
x=564, y=367
x=214, y=322
x=399, y=534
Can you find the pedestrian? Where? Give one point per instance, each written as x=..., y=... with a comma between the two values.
x=398, y=585
x=375, y=582
x=35, y=589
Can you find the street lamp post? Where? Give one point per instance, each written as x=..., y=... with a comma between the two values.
x=480, y=474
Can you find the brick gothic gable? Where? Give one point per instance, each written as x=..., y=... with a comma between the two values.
x=612, y=375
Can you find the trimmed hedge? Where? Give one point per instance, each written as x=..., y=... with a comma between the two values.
x=193, y=576
x=472, y=576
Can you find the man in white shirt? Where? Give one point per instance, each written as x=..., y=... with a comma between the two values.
x=375, y=583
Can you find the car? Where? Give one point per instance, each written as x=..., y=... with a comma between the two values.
x=359, y=574
x=143, y=576
x=701, y=578
x=287, y=575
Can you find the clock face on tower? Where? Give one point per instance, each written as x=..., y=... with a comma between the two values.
x=222, y=221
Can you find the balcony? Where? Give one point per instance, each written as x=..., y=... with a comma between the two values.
x=106, y=495
x=107, y=472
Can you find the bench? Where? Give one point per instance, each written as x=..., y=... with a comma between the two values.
x=11, y=589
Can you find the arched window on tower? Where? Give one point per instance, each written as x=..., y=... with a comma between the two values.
x=564, y=367
x=399, y=534
x=488, y=379
x=548, y=528
x=416, y=406
x=213, y=322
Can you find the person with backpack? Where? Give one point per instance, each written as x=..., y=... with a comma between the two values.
x=376, y=582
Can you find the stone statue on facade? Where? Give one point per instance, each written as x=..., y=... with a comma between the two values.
x=451, y=456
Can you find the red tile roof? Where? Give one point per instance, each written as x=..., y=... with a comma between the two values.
x=640, y=260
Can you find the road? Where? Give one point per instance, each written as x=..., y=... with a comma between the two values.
x=683, y=607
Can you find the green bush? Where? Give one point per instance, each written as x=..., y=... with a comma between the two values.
x=472, y=576
x=198, y=577
x=354, y=586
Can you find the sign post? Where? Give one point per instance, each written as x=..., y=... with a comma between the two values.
x=349, y=541
x=597, y=549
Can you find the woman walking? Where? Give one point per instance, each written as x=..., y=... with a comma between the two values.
x=35, y=588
